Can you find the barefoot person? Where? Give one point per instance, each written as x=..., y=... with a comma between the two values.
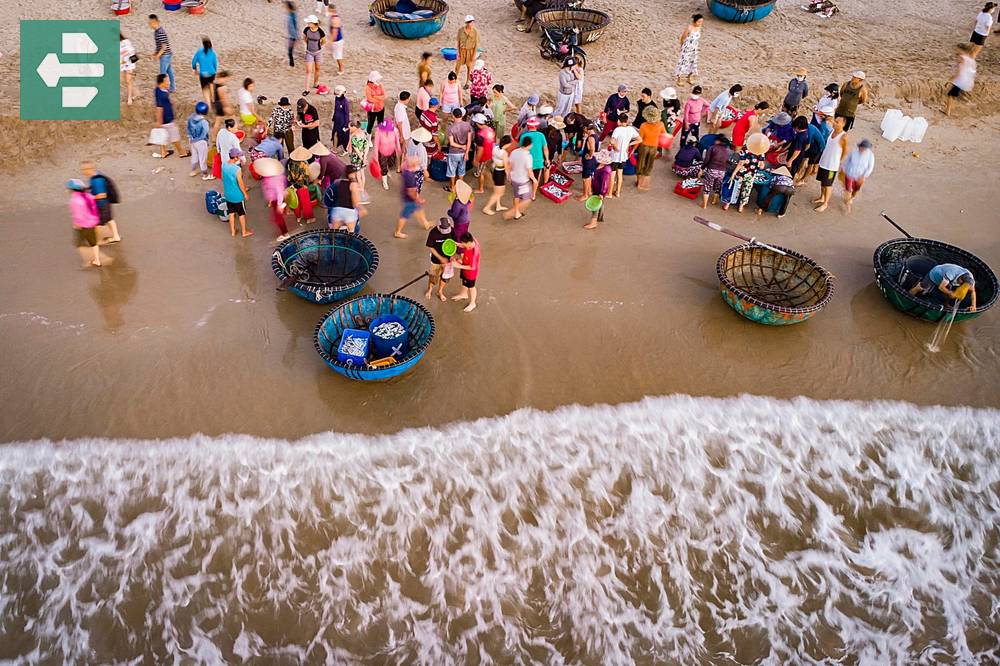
x=469, y=265
x=601, y=185
x=105, y=194
x=857, y=166
x=83, y=209
x=829, y=163
x=235, y=192
x=413, y=203
x=522, y=178
x=687, y=62
x=125, y=63
x=984, y=21
x=336, y=38
x=468, y=47
x=435, y=242
x=965, y=77
x=501, y=168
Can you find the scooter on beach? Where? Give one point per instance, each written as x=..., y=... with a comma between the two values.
x=559, y=44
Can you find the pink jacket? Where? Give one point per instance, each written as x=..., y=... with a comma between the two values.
x=694, y=109
x=274, y=188
x=83, y=208
x=387, y=143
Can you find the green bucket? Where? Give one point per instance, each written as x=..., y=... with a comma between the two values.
x=594, y=203
x=449, y=247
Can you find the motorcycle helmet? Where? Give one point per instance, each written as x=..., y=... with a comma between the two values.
x=201, y=108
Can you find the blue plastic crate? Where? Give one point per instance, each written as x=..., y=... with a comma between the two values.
x=354, y=359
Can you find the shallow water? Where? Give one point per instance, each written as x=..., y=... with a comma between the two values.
x=673, y=530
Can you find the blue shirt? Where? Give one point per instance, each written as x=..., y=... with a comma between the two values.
x=197, y=128
x=207, y=64
x=163, y=102
x=537, y=148
x=949, y=272
x=99, y=185
x=272, y=148
x=293, y=26
x=817, y=138
x=230, y=184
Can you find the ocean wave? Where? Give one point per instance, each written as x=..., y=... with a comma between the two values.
x=672, y=530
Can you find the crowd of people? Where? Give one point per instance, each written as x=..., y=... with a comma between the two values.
x=728, y=153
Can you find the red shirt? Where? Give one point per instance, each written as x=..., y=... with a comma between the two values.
x=470, y=257
x=741, y=128
x=485, y=139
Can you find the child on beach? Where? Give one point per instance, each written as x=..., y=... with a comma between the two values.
x=469, y=265
x=600, y=186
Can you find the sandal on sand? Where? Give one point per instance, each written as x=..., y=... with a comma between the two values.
x=183, y=155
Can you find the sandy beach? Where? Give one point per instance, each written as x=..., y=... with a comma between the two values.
x=185, y=333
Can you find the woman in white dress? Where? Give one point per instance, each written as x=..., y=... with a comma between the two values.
x=125, y=54
x=687, y=62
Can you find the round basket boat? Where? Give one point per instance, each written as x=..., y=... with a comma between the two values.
x=397, y=25
x=903, y=262
x=323, y=266
x=741, y=11
x=773, y=289
x=590, y=22
x=358, y=313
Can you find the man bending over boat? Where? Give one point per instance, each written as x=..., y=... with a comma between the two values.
x=952, y=280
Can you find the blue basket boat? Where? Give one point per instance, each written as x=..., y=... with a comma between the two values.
x=409, y=26
x=324, y=265
x=771, y=288
x=741, y=11
x=359, y=313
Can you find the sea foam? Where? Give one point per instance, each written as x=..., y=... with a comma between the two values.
x=672, y=530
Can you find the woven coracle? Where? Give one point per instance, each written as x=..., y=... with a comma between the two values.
x=769, y=288
x=590, y=22
x=358, y=313
x=325, y=265
x=896, y=272
x=409, y=28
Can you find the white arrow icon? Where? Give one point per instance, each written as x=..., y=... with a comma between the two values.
x=51, y=70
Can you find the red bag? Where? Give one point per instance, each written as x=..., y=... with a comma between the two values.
x=305, y=209
x=217, y=166
x=374, y=168
x=687, y=192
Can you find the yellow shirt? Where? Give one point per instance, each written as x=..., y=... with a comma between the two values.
x=423, y=73
x=466, y=40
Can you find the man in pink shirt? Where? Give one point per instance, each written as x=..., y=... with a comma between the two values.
x=83, y=209
x=695, y=108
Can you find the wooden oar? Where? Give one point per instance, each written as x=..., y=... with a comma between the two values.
x=730, y=232
x=419, y=277
x=889, y=220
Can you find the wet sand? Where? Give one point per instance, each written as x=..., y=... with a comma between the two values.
x=185, y=332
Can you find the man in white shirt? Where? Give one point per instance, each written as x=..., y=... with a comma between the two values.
x=522, y=179
x=402, y=118
x=624, y=139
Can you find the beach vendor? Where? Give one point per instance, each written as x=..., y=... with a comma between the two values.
x=955, y=282
x=687, y=162
x=781, y=183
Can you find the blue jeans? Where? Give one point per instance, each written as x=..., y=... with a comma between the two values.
x=167, y=68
